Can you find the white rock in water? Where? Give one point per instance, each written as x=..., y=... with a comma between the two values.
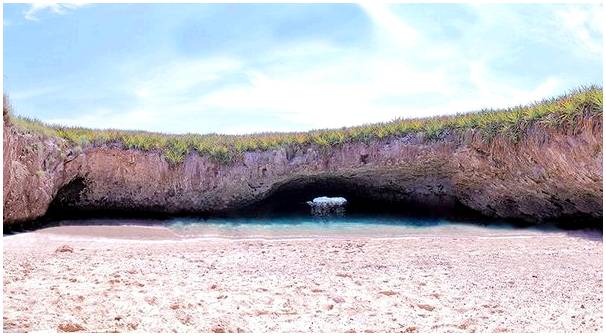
x=328, y=201
x=326, y=206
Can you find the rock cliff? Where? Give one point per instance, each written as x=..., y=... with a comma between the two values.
x=549, y=174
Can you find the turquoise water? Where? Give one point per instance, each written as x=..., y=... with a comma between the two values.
x=348, y=226
x=305, y=227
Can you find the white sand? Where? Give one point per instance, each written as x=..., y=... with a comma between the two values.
x=153, y=281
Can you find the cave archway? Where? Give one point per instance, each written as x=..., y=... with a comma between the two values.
x=366, y=194
x=384, y=193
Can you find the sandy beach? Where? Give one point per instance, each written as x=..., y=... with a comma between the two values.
x=129, y=279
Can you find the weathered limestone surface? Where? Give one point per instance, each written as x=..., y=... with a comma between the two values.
x=549, y=174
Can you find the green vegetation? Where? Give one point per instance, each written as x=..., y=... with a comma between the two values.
x=560, y=112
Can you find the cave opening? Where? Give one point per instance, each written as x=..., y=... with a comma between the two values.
x=364, y=198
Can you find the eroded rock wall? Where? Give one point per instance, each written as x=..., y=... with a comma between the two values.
x=549, y=174
x=34, y=168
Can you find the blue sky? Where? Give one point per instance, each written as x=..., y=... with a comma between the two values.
x=247, y=68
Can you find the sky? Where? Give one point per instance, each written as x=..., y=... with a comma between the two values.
x=242, y=68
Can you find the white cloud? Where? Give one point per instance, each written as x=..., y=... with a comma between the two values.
x=389, y=25
x=582, y=25
x=318, y=85
x=326, y=95
x=180, y=76
x=335, y=89
x=32, y=12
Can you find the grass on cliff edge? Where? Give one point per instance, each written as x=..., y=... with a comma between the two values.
x=560, y=111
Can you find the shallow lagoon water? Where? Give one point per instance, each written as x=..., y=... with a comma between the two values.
x=337, y=227
x=289, y=228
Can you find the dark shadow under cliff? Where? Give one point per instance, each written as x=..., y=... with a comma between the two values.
x=289, y=199
x=362, y=197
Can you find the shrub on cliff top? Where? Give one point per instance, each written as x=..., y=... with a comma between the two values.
x=560, y=112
